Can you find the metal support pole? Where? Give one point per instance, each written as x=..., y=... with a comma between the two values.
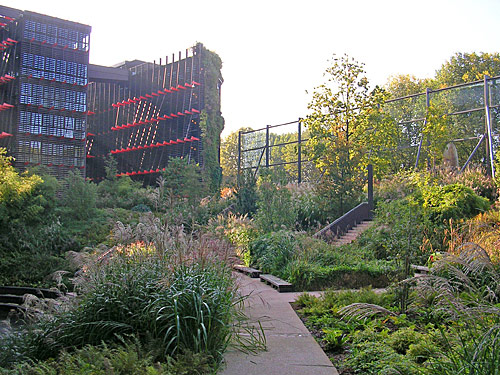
x=427, y=103
x=239, y=156
x=267, y=146
x=370, y=188
x=299, y=152
x=473, y=152
x=488, y=126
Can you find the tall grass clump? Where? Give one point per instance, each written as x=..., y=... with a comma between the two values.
x=173, y=296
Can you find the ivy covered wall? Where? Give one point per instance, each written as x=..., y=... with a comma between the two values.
x=211, y=121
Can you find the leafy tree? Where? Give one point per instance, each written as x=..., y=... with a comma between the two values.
x=120, y=191
x=229, y=157
x=406, y=84
x=246, y=196
x=79, y=197
x=343, y=126
x=14, y=187
x=182, y=182
x=30, y=236
x=468, y=67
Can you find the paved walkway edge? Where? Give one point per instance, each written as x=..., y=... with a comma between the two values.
x=291, y=349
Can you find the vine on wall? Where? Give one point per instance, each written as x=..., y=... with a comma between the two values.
x=211, y=120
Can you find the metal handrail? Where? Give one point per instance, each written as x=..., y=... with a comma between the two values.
x=347, y=221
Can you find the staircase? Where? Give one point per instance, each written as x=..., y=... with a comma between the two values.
x=352, y=234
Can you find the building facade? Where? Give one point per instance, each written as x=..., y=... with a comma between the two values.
x=143, y=114
x=59, y=111
x=43, y=91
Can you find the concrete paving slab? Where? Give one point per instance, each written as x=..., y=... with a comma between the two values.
x=291, y=349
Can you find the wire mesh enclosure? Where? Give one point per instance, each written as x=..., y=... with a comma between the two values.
x=470, y=111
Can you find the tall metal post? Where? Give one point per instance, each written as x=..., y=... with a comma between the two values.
x=427, y=104
x=299, y=152
x=489, y=143
x=239, y=155
x=370, y=187
x=267, y=146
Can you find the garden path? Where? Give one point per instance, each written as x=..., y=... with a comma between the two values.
x=291, y=349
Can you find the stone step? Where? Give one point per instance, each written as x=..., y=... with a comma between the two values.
x=353, y=233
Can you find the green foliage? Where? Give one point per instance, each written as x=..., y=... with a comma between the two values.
x=79, y=197
x=401, y=339
x=468, y=67
x=31, y=238
x=443, y=203
x=311, y=264
x=275, y=209
x=119, y=192
x=229, y=158
x=346, y=125
x=127, y=359
x=211, y=120
x=171, y=309
x=371, y=358
x=246, y=196
x=272, y=252
x=474, y=177
x=182, y=182
x=404, y=85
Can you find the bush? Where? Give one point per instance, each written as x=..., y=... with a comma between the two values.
x=272, y=252
x=275, y=209
x=401, y=339
x=444, y=203
x=169, y=308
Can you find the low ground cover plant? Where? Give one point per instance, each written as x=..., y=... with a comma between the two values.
x=311, y=264
x=450, y=323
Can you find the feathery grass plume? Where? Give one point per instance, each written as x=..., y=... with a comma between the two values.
x=364, y=310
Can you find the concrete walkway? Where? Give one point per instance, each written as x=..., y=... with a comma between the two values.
x=291, y=349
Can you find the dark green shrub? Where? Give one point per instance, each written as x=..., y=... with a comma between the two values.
x=129, y=359
x=275, y=209
x=182, y=181
x=423, y=350
x=377, y=358
x=401, y=339
x=444, y=203
x=272, y=252
x=141, y=208
x=311, y=276
x=246, y=196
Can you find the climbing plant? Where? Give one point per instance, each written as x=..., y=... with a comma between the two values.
x=211, y=120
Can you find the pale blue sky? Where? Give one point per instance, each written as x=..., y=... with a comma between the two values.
x=274, y=50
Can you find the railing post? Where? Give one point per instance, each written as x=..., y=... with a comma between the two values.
x=427, y=104
x=299, y=152
x=370, y=190
x=239, y=156
x=267, y=146
x=489, y=144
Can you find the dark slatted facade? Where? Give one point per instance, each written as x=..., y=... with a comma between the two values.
x=144, y=114
x=58, y=111
x=43, y=91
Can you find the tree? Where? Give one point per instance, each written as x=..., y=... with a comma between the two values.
x=342, y=127
x=79, y=198
x=468, y=67
x=182, y=182
x=405, y=84
x=229, y=158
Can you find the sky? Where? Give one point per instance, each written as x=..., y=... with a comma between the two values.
x=275, y=51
